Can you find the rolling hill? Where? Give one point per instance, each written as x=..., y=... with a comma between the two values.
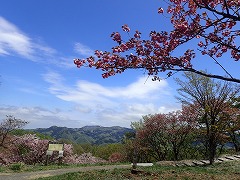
x=87, y=134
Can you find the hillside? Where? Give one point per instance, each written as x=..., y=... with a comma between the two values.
x=87, y=134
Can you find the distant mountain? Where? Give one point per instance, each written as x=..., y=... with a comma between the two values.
x=87, y=134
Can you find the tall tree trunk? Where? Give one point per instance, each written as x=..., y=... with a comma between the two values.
x=237, y=147
x=235, y=142
x=175, y=153
x=212, y=147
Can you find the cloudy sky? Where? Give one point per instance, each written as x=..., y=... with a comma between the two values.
x=39, y=83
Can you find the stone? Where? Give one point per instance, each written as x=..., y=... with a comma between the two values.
x=144, y=164
x=189, y=164
x=231, y=158
x=223, y=159
x=205, y=161
x=237, y=156
x=198, y=163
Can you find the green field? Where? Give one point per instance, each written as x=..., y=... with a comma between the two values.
x=226, y=170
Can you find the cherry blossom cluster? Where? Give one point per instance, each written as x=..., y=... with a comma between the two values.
x=164, y=133
x=85, y=158
x=210, y=24
x=29, y=149
x=176, y=123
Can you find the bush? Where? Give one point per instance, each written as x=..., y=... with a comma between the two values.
x=77, y=149
x=106, y=150
x=17, y=166
x=116, y=157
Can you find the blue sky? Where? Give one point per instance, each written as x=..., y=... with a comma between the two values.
x=39, y=83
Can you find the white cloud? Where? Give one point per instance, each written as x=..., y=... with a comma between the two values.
x=14, y=42
x=12, y=39
x=90, y=103
x=114, y=105
x=39, y=117
x=83, y=50
x=87, y=92
x=65, y=62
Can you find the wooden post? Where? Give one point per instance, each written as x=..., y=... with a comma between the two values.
x=60, y=156
x=49, y=153
x=46, y=162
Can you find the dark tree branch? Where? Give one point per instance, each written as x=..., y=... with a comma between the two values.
x=207, y=75
x=226, y=15
x=230, y=79
x=219, y=65
x=225, y=4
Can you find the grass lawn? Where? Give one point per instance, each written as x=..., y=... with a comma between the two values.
x=224, y=171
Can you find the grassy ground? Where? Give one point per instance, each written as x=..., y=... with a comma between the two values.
x=224, y=171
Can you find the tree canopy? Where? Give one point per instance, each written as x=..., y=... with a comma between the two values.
x=211, y=24
x=213, y=103
x=8, y=125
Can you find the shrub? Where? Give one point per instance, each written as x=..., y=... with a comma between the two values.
x=116, y=157
x=17, y=166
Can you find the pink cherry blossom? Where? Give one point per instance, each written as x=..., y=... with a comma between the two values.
x=126, y=28
x=211, y=26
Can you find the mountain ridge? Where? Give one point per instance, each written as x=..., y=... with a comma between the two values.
x=88, y=134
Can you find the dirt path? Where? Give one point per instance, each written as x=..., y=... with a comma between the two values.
x=38, y=174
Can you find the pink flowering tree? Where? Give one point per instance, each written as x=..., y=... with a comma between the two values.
x=164, y=133
x=7, y=126
x=212, y=25
x=30, y=149
x=27, y=149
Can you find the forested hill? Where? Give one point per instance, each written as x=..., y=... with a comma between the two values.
x=87, y=134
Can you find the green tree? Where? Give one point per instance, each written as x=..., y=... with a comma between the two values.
x=21, y=132
x=210, y=99
x=233, y=123
x=106, y=150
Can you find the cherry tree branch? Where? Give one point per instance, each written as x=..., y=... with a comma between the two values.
x=231, y=79
x=226, y=15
